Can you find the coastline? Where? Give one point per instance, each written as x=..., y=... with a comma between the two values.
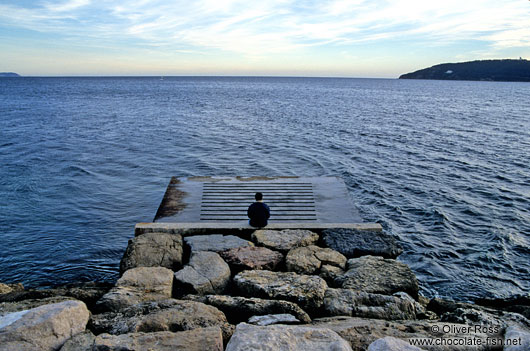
x=228, y=291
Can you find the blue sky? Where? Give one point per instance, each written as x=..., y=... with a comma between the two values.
x=354, y=38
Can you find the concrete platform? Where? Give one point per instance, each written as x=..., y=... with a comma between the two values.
x=316, y=200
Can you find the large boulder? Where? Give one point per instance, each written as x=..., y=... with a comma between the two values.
x=190, y=340
x=43, y=328
x=309, y=259
x=153, y=250
x=285, y=338
x=138, y=285
x=346, y=302
x=305, y=290
x=361, y=332
x=252, y=257
x=284, y=240
x=206, y=273
x=215, y=242
x=355, y=243
x=379, y=276
x=166, y=315
x=239, y=309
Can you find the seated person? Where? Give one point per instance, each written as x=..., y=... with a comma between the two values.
x=258, y=212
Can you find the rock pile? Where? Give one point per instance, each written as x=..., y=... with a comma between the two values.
x=284, y=290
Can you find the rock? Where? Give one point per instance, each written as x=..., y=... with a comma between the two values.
x=191, y=340
x=251, y=257
x=138, y=285
x=239, y=309
x=284, y=240
x=355, y=243
x=309, y=259
x=305, y=290
x=215, y=242
x=360, y=332
x=206, y=273
x=389, y=343
x=516, y=339
x=80, y=342
x=166, y=315
x=10, y=307
x=5, y=288
x=270, y=319
x=379, y=276
x=441, y=306
x=420, y=310
x=346, y=302
x=43, y=328
x=153, y=250
x=284, y=337
x=330, y=273
x=517, y=303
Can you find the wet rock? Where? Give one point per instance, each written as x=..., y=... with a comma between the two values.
x=355, y=243
x=153, y=250
x=441, y=306
x=305, y=290
x=309, y=259
x=516, y=339
x=138, y=285
x=379, y=276
x=215, y=242
x=191, y=340
x=251, y=257
x=270, y=319
x=360, y=332
x=43, y=328
x=346, y=302
x=284, y=337
x=518, y=304
x=166, y=315
x=284, y=240
x=80, y=342
x=239, y=309
x=389, y=343
x=206, y=273
x=419, y=308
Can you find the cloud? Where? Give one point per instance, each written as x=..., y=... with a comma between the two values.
x=277, y=26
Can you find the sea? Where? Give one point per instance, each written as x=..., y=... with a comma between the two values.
x=442, y=165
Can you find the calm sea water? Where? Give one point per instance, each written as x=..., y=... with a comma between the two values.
x=443, y=165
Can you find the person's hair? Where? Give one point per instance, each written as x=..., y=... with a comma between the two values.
x=258, y=196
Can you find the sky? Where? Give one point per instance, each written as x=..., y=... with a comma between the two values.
x=337, y=38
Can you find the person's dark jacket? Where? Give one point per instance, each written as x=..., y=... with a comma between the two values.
x=258, y=213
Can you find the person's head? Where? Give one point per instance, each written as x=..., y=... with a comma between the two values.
x=258, y=196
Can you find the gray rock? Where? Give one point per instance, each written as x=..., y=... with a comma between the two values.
x=421, y=311
x=206, y=273
x=239, y=309
x=309, y=259
x=270, y=319
x=138, y=285
x=251, y=257
x=389, y=343
x=153, y=250
x=215, y=242
x=284, y=240
x=166, y=315
x=355, y=243
x=305, y=290
x=330, y=273
x=516, y=339
x=379, y=276
x=346, y=302
x=80, y=342
x=10, y=307
x=285, y=338
x=191, y=340
x=43, y=328
x=360, y=332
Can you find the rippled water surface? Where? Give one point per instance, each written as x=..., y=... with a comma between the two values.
x=443, y=165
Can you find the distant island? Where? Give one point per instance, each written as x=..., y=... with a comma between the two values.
x=485, y=70
x=8, y=74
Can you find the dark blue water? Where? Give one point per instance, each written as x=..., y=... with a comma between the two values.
x=443, y=165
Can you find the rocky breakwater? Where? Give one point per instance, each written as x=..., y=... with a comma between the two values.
x=339, y=289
